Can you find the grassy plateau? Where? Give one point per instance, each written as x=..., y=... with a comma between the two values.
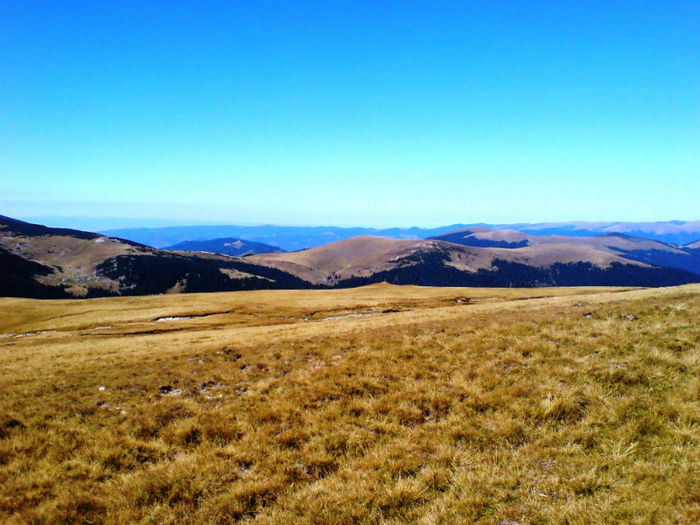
x=372, y=405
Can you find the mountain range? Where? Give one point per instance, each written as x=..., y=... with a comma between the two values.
x=37, y=261
x=483, y=257
x=291, y=238
x=42, y=262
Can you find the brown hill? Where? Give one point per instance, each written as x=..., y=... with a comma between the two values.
x=648, y=251
x=37, y=261
x=485, y=237
x=365, y=256
x=71, y=255
x=486, y=257
x=358, y=256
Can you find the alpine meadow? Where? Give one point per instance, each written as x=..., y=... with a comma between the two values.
x=349, y=263
x=380, y=404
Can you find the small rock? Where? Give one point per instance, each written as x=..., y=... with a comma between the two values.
x=9, y=424
x=103, y=404
x=164, y=389
x=208, y=384
x=508, y=522
x=12, y=423
x=629, y=317
x=101, y=389
x=172, y=392
x=587, y=315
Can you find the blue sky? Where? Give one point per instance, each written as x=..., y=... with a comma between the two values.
x=350, y=113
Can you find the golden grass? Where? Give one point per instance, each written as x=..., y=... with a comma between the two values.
x=373, y=405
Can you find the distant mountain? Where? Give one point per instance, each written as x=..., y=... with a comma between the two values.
x=648, y=251
x=486, y=238
x=291, y=238
x=366, y=260
x=41, y=262
x=36, y=261
x=674, y=232
x=227, y=246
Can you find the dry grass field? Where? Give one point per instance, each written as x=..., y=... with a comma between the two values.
x=373, y=405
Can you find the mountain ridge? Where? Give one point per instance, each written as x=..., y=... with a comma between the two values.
x=291, y=238
x=650, y=251
x=38, y=261
x=367, y=259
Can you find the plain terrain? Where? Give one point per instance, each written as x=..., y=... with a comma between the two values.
x=380, y=404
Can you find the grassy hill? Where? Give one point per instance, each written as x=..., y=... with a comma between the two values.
x=380, y=404
x=37, y=261
x=500, y=258
x=595, y=249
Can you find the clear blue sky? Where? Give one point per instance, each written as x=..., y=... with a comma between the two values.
x=350, y=113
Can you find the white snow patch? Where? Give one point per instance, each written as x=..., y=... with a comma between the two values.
x=347, y=316
x=25, y=334
x=172, y=318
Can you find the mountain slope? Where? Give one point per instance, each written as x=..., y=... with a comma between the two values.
x=19, y=277
x=334, y=262
x=36, y=261
x=648, y=251
x=693, y=245
x=365, y=260
x=226, y=246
